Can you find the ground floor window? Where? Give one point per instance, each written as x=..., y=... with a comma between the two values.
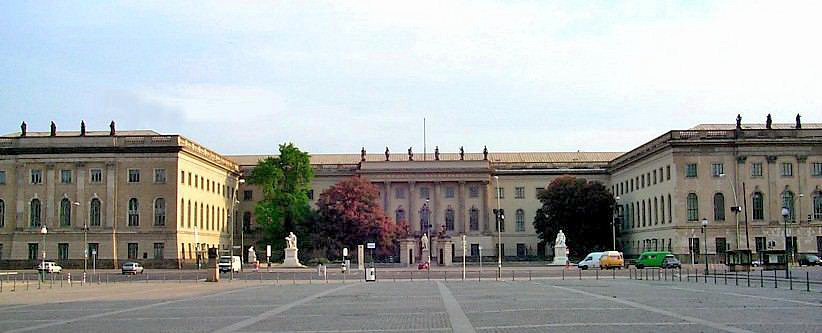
x=33, y=251
x=62, y=251
x=158, y=250
x=474, y=250
x=721, y=249
x=93, y=250
x=521, y=250
x=132, y=250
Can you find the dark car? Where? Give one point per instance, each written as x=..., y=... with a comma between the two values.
x=671, y=262
x=809, y=260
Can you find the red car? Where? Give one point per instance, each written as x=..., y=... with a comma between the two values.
x=423, y=265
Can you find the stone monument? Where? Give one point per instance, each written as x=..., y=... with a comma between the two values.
x=425, y=253
x=560, y=251
x=291, y=260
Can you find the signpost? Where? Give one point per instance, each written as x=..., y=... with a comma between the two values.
x=370, y=273
x=268, y=256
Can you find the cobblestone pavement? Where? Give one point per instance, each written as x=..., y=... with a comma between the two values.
x=619, y=305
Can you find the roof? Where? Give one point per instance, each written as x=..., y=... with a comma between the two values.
x=88, y=133
x=721, y=127
x=522, y=157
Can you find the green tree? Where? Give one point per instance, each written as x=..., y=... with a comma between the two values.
x=285, y=181
x=582, y=209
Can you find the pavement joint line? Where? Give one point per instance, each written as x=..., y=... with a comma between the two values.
x=433, y=329
x=746, y=295
x=695, y=320
x=142, y=307
x=280, y=309
x=587, y=324
x=459, y=321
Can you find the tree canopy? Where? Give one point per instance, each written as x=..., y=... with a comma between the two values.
x=582, y=209
x=350, y=214
x=285, y=181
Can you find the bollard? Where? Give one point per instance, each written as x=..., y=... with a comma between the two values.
x=725, y=276
x=775, y=284
x=665, y=273
x=412, y=275
x=613, y=273
x=761, y=279
x=563, y=275
x=580, y=273
x=790, y=279
x=479, y=276
x=293, y=278
x=529, y=275
x=278, y=278
x=714, y=275
x=680, y=273
x=512, y=275
x=748, y=274
x=807, y=281
x=310, y=278
x=736, y=278
x=597, y=274
x=445, y=275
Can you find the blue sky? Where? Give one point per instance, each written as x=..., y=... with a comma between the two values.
x=242, y=77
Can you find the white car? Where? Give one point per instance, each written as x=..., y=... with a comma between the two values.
x=591, y=260
x=49, y=267
x=230, y=263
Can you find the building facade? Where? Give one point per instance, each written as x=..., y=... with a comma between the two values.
x=163, y=199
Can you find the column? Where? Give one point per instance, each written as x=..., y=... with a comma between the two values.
x=22, y=203
x=435, y=207
x=485, y=227
x=461, y=207
x=412, y=224
x=387, y=200
x=49, y=179
x=110, y=203
x=81, y=217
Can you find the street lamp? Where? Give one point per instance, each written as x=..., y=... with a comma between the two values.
x=736, y=209
x=427, y=212
x=43, y=231
x=613, y=222
x=705, y=235
x=500, y=216
x=234, y=204
x=85, y=241
x=785, y=213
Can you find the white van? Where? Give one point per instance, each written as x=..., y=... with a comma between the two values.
x=230, y=263
x=591, y=260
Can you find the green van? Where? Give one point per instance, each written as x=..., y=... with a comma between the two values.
x=651, y=259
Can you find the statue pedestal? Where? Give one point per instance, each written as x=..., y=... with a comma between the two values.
x=408, y=250
x=560, y=258
x=291, y=260
x=444, y=254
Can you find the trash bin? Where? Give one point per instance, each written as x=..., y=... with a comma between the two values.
x=370, y=274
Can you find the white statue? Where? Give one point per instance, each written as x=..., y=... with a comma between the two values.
x=424, y=241
x=560, y=241
x=291, y=241
x=252, y=255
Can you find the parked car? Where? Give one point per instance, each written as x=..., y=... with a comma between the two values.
x=132, y=268
x=671, y=262
x=591, y=260
x=49, y=267
x=651, y=259
x=809, y=260
x=611, y=259
x=230, y=263
x=756, y=263
x=423, y=265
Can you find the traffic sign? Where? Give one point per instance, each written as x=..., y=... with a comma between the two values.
x=372, y=246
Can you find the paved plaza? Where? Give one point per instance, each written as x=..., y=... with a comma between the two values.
x=540, y=305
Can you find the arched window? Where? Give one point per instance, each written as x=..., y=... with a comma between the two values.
x=400, y=215
x=94, y=212
x=719, y=207
x=247, y=221
x=758, y=206
x=817, y=205
x=195, y=214
x=425, y=217
x=693, y=207
x=188, y=212
x=670, y=211
x=520, y=220
x=2, y=214
x=34, y=215
x=656, y=211
x=65, y=212
x=182, y=212
x=449, y=219
x=133, y=212
x=473, y=219
x=643, y=212
x=787, y=202
x=662, y=204
x=159, y=211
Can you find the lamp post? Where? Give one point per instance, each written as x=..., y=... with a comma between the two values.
x=613, y=222
x=427, y=211
x=705, y=235
x=499, y=231
x=85, y=241
x=785, y=213
x=735, y=209
x=43, y=231
x=235, y=201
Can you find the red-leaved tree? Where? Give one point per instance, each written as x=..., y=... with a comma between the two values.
x=350, y=214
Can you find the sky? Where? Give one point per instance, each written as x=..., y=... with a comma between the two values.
x=241, y=77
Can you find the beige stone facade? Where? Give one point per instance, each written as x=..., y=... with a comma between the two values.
x=182, y=202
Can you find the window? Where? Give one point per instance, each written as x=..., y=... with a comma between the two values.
x=787, y=169
x=642, y=181
x=449, y=219
x=449, y=191
x=158, y=250
x=425, y=217
x=474, y=250
x=34, y=214
x=756, y=170
x=94, y=213
x=2, y=213
x=425, y=193
x=473, y=219
x=662, y=208
x=760, y=243
x=719, y=207
x=189, y=179
x=643, y=213
x=2, y=177
x=654, y=177
x=693, y=207
x=133, y=175
x=816, y=171
x=132, y=250
x=65, y=176
x=65, y=212
x=196, y=181
x=247, y=221
x=670, y=212
x=667, y=172
x=62, y=251
x=159, y=176
x=690, y=170
x=400, y=215
x=758, y=206
x=501, y=225
x=721, y=248
x=399, y=193
x=133, y=212
x=817, y=206
x=519, y=192
x=694, y=242
x=656, y=210
x=160, y=211
x=501, y=192
x=182, y=177
x=95, y=176
x=717, y=169
x=36, y=176
x=787, y=202
x=632, y=185
x=473, y=191
x=247, y=195
x=520, y=220
x=33, y=251
x=521, y=250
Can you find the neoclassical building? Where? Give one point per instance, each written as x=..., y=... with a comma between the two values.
x=163, y=199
